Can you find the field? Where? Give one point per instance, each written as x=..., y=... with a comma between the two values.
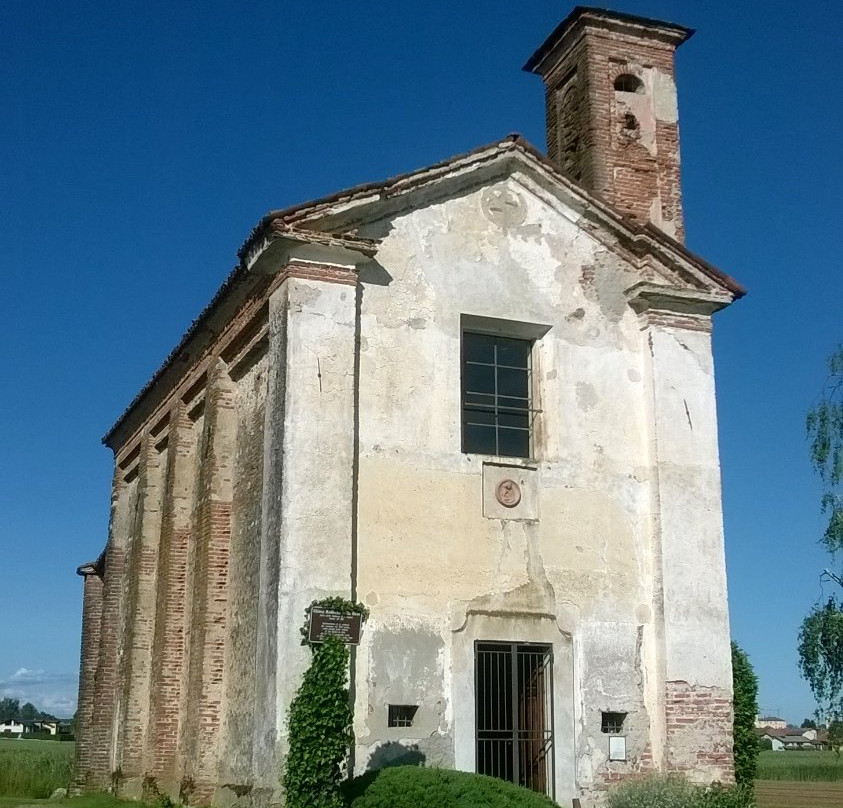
x=801, y=766
x=34, y=768
x=799, y=780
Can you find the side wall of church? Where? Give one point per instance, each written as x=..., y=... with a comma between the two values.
x=168, y=679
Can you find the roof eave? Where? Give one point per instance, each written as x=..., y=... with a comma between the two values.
x=582, y=15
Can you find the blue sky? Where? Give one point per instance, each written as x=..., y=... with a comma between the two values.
x=141, y=141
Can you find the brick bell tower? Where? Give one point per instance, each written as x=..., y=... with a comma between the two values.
x=612, y=116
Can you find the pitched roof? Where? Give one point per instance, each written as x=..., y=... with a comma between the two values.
x=311, y=222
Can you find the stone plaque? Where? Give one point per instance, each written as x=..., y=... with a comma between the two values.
x=326, y=623
x=510, y=491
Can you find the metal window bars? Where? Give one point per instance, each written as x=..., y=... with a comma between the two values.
x=514, y=713
x=497, y=412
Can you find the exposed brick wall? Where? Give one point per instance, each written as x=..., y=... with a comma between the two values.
x=238, y=722
x=107, y=679
x=699, y=732
x=634, y=169
x=140, y=614
x=91, y=625
x=207, y=629
x=156, y=681
x=169, y=645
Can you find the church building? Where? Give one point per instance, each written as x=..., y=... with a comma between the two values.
x=478, y=398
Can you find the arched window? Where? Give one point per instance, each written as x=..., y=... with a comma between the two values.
x=627, y=83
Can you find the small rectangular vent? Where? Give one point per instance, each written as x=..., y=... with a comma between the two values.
x=612, y=723
x=402, y=715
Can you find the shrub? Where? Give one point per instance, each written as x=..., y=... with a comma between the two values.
x=745, y=684
x=718, y=796
x=674, y=792
x=417, y=787
x=653, y=792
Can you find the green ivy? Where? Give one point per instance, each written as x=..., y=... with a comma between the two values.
x=745, y=684
x=320, y=720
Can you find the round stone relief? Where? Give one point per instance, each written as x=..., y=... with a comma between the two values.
x=503, y=207
x=508, y=493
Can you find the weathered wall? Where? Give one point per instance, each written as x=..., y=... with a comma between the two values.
x=238, y=706
x=168, y=652
x=316, y=450
x=584, y=550
x=89, y=660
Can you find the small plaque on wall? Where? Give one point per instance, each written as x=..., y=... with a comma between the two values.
x=326, y=623
x=617, y=747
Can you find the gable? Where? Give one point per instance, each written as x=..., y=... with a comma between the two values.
x=368, y=209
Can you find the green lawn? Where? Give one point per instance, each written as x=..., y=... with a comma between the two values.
x=802, y=766
x=34, y=768
x=90, y=801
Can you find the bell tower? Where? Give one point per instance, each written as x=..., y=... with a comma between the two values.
x=612, y=114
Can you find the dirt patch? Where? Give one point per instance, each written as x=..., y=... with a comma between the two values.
x=789, y=794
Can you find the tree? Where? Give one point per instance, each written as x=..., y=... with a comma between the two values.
x=835, y=736
x=745, y=686
x=808, y=723
x=821, y=635
x=9, y=708
x=29, y=712
x=825, y=433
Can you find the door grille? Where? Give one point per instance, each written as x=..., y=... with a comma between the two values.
x=514, y=713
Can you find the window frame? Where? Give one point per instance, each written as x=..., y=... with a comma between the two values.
x=530, y=333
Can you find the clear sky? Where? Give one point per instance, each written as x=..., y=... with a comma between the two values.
x=141, y=141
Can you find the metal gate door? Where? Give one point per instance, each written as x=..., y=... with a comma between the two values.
x=514, y=713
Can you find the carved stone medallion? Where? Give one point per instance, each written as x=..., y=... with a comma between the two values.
x=508, y=493
x=503, y=206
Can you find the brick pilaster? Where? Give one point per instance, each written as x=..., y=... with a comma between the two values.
x=89, y=661
x=107, y=679
x=693, y=733
x=168, y=655
x=140, y=619
x=207, y=625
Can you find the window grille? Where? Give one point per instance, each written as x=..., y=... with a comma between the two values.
x=402, y=715
x=514, y=713
x=612, y=722
x=497, y=412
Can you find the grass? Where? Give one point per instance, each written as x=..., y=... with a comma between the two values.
x=34, y=768
x=88, y=801
x=815, y=767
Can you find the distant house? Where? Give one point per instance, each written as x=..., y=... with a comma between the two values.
x=13, y=726
x=787, y=738
x=771, y=722
x=52, y=727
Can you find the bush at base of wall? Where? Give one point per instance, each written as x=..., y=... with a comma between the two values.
x=674, y=792
x=416, y=787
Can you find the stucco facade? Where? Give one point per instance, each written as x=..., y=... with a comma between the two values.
x=307, y=438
